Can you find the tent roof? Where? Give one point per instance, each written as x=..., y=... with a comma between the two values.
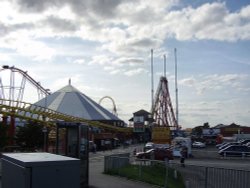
x=71, y=101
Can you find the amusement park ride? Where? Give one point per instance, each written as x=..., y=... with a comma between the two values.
x=162, y=109
x=114, y=111
x=12, y=105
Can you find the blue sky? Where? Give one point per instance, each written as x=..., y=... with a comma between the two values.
x=104, y=47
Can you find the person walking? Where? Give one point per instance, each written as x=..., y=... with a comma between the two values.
x=182, y=157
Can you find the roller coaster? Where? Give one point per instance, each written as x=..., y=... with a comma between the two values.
x=30, y=112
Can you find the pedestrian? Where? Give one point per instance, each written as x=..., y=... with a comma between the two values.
x=134, y=152
x=94, y=148
x=182, y=157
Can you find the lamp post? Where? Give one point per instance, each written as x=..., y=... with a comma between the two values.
x=44, y=130
x=45, y=138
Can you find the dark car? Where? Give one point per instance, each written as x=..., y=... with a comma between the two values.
x=229, y=144
x=235, y=150
x=244, y=141
x=156, y=154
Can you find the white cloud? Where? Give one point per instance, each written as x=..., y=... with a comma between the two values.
x=215, y=82
x=188, y=82
x=4, y=57
x=34, y=49
x=101, y=59
x=79, y=61
x=127, y=28
x=135, y=72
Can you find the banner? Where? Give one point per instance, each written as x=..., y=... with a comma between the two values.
x=161, y=135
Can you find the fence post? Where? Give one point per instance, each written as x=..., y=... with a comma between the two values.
x=206, y=176
x=166, y=177
x=175, y=174
x=119, y=165
x=140, y=170
x=243, y=155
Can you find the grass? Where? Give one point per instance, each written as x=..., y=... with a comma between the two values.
x=154, y=174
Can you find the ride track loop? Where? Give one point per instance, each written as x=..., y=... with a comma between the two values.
x=31, y=112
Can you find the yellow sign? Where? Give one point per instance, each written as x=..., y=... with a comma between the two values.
x=161, y=135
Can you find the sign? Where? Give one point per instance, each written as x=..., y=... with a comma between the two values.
x=161, y=135
x=139, y=127
x=210, y=132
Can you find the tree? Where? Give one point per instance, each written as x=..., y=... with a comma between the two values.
x=197, y=131
x=30, y=136
x=206, y=125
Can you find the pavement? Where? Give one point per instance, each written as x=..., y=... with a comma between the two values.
x=99, y=180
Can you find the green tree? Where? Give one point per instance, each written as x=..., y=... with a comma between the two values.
x=30, y=136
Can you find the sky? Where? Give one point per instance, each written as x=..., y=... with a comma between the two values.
x=104, y=47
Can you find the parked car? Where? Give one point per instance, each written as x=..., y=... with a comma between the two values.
x=235, y=150
x=247, y=144
x=229, y=144
x=244, y=141
x=148, y=146
x=155, y=154
x=198, y=145
x=222, y=144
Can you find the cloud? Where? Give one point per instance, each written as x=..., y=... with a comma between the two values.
x=122, y=28
x=131, y=61
x=215, y=82
x=209, y=21
x=57, y=24
x=79, y=61
x=135, y=72
x=4, y=57
x=190, y=82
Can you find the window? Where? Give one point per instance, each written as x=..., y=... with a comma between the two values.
x=138, y=119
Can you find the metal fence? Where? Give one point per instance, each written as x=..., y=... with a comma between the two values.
x=193, y=176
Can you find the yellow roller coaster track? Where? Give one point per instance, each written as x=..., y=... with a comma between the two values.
x=28, y=111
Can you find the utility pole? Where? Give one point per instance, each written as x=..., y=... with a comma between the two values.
x=164, y=56
x=152, y=81
x=176, y=90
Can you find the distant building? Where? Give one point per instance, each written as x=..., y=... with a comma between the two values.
x=232, y=129
x=141, y=122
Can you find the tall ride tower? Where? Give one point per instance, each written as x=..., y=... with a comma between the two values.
x=162, y=110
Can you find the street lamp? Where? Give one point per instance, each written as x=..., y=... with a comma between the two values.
x=45, y=139
x=44, y=130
